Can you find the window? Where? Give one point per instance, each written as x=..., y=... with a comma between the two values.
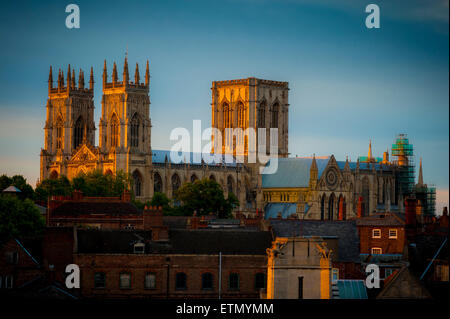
x=125, y=280
x=180, y=281
x=8, y=282
x=274, y=122
x=59, y=136
x=227, y=115
x=262, y=115
x=78, y=132
x=99, y=280
x=12, y=257
x=233, y=281
x=139, y=248
x=137, y=183
x=114, y=131
x=260, y=281
x=377, y=251
x=376, y=233
x=157, y=183
x=135, y=131
x=241, y=115
x=207, y=281
x=150, y=281
x=392, y=233
x=334, y=275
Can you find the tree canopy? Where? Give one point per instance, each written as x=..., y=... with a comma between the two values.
x=205, y=196
x=93, y=183
x=26, y=191
x=19, y=218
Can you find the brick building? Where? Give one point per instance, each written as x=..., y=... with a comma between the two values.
x=382, y=240
x=128, y=264
x=104, y=213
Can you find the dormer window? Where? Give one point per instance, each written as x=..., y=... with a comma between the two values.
x=139, y=248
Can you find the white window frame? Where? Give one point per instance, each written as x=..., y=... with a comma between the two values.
x=372, y=249
x=376, y=230
x=393, y=236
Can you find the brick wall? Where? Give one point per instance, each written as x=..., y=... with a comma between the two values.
x=247, y=266
x=388, y=246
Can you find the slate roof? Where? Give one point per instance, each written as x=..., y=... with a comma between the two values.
x=159, y=156
x=381, y=220
x=114, y=208
x=204, y=241
x=12, y=189
x=175, y=222
x=294, y=171
x=345, y=231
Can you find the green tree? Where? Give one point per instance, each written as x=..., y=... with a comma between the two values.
x=160, y=199
x=49, y=187
x=26, y=191
x=95, y=183
x=205, y=196
x=19, y=218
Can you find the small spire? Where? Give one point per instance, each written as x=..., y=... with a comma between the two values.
x=59, y=79
x=136, y=74
x=125, y=71
x=147, y=75
x=81, y=80
x=314, y=164
x=369, y=154
x=105, y=74
x=420, y=181
x=73, y=79
x=91, y=79
x=50, y=79
x=68, y=80
x=114, y=74
x=62, y=79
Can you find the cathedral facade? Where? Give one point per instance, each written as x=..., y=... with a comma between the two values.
x=310, y=188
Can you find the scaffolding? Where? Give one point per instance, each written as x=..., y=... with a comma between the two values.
x=426, y=194
x=404, y=154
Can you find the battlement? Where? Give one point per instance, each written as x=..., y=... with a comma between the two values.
x=68, y=86
x=250, y=81
x=126, y=83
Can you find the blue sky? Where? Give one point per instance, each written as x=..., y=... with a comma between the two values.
x=348, y=84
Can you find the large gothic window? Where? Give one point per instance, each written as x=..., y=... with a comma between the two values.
x=193, y=178
x=135, y=131
x=241, y=115
x=227, y=115
x=275, y=111
x=365, y=194
x=78, y=132
x=322, y=208
x=176, y=183
x=230, y=184
x=262, y=115
x=331, y=202
x=59, y=135
x=137, y=183
x=114, y=131
x=157, y=183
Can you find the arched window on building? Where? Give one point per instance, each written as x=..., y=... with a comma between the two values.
x=114, y=131
x=262, y=115
x=176, y=183
x=331, y=202
x=59, y=135
x=241, y=115
x=157, y=183
x=365, y=193
x=137, y=183
x=322, y=208
x=207, y=281
x=54, y=175
x=212, y=177
x=275, y=112
x=227, y=115
x=194, y=178
x=135, y=130
x=230, y=186
x=78, y=132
